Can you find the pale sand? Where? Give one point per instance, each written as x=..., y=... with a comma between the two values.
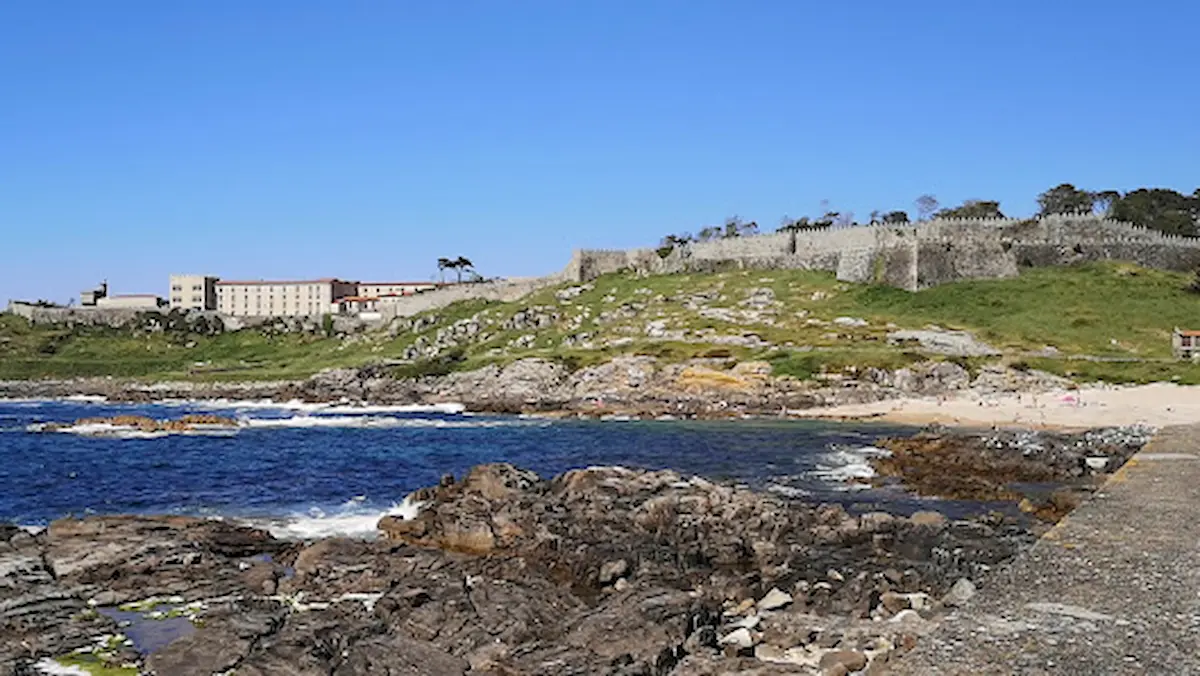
x=1158, y=405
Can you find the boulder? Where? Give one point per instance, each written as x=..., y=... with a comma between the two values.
x=774, y=599
x=928, y=518
x=959, y=594
x=613, y=570
x=738, y=638
x=852, y=660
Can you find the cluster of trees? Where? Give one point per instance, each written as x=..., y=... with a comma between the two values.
x=1155, y=208
x=1159, y=209
x=458, y=265
x=733, y=227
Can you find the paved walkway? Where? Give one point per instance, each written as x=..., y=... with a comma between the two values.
x=1113, y=589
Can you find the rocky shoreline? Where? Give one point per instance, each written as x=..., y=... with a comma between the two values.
x=638, y=386
x=596, y=571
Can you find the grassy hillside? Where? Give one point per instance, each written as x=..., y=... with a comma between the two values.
x=1091, y=315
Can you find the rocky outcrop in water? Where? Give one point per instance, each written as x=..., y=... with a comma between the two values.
x=187, y=423
x=596, y=571
x=1046, y=473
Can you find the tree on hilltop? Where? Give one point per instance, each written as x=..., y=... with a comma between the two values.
x=895, y=217
x=670, y=242
x=973, y=209
x=443, y=264
x=1066, y=199
x=803, y=223
x=926, y=205
x=1159, y=209
x=733, y=227
x=459, y=264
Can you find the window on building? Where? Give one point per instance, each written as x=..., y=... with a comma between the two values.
x=1186, y=341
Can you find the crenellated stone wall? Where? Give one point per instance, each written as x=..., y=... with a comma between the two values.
x=914, y=256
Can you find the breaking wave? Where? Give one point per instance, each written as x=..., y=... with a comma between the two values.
x=110, y=431
x=363, y=421
x=849, y=465
x=352, y=519
x=447, y=408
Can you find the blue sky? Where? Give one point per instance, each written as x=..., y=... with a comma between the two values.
x=366, y=139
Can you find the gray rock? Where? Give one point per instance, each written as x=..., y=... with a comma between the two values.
x=400, y=656
x=873, y=522
x=852, y=660
x=959, y=594
x=929, y=519
x=850, y=321
x=613, y=570
x=704, y=638
x=739, y=638
x=940, y=341
x=774, y=599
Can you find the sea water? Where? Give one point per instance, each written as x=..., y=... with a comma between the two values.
x=306, y=470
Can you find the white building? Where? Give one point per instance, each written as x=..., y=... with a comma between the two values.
x=88, y=297
x=377, y=289
x=131, y=301
x=193, y=292
x=363, y=307
x=261, y=298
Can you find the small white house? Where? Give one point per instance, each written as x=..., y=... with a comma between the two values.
x=1185, y=344
x=363, y=307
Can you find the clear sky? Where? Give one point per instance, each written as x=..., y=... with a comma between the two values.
x=366, y=139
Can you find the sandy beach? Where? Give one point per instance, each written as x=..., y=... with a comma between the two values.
x=1158, y=405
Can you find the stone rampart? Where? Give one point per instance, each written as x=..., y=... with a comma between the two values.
x=915, y=256
x=75, y=316
x=500, y=290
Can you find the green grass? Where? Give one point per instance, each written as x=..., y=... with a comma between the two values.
x=94, y=666
x=1103, y=310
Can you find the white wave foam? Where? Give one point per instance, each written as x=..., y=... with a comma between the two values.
x=86, y=398
x=350, y=522
x=103, y=430
x=109, y=431
x=451, y=408
x=447, y=408
x=847, y=464
x=316, y=421
x=787, y=491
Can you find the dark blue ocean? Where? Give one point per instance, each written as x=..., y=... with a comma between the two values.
x=309, y=471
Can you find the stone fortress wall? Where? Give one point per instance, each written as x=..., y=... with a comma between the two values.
x=914, y=256
x=910, y=256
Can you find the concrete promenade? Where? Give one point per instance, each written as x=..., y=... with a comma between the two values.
x=1112, y=589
